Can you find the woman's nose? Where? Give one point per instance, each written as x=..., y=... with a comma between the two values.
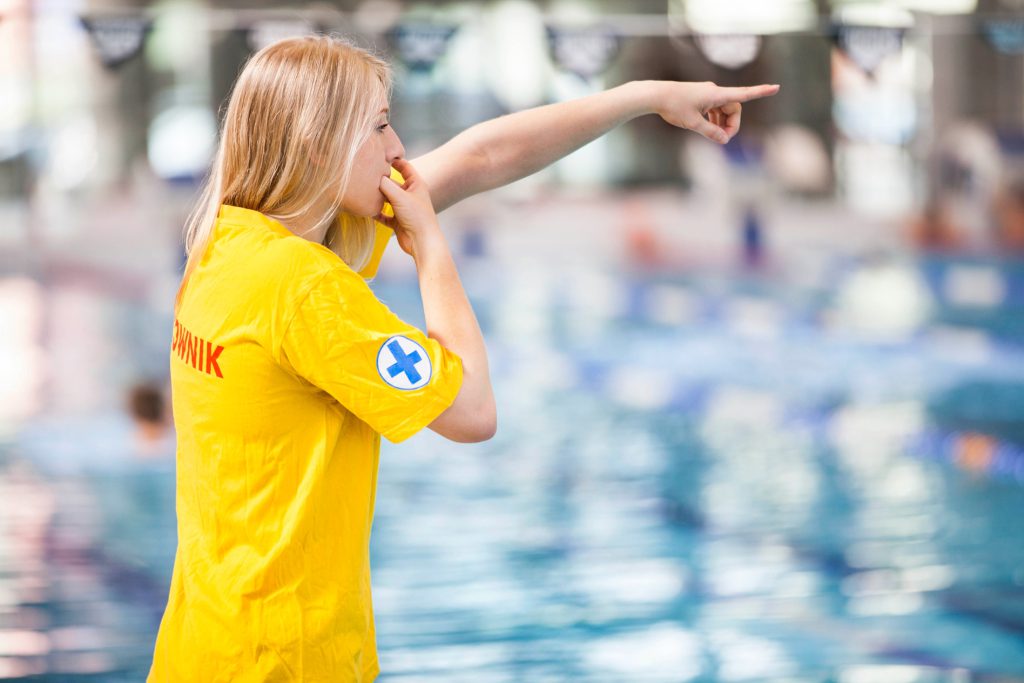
x=395, y=149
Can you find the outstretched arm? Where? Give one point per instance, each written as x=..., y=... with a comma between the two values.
x=504, y=149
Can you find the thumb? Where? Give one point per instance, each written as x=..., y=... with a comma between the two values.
x=711, y=131
x=390, y=188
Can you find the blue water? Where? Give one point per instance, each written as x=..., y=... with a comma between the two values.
x=695, y=478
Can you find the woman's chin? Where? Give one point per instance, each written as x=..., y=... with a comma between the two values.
x=379, y=207
x=371, y=211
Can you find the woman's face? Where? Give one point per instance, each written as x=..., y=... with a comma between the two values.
x=373, y=160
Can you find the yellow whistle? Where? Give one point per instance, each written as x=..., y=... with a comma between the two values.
x=388, y=210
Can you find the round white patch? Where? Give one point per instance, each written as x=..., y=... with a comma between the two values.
x=403, y=363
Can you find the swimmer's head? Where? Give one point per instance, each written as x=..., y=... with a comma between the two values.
x=303, y=139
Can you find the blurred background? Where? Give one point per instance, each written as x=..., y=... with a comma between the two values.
x=761, y=404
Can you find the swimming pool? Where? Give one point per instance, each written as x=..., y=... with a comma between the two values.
x=695, y=478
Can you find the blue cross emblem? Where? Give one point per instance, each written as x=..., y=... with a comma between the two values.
x=403, y=363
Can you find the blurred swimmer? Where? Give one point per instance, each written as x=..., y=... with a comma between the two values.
x=146, y=404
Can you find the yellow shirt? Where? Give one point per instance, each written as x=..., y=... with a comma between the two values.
x=285, y=371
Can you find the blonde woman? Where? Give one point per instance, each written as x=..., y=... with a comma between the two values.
x=286, y=370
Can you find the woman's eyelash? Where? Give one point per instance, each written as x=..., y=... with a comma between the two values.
x=382, y=127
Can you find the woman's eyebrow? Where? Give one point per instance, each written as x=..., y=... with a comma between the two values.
x=383, y=110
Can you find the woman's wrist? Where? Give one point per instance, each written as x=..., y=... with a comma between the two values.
x=427, y=241
x=647, y=96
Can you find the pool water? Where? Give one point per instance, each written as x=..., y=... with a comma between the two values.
x=695, y=478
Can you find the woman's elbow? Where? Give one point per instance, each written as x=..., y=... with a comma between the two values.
x=466, y=422
x=484, y=426
x=490, y=426
x=484, y=422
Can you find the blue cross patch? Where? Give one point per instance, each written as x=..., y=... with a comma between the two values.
x=403, y=363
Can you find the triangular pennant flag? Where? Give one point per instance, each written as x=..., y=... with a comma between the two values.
x=420, y=46
x=117, y=38
x=584, y=51
x=1004, y=35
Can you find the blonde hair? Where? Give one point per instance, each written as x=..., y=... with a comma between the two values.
x=314, y=92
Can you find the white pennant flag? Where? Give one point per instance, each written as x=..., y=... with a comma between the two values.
x=868, y=46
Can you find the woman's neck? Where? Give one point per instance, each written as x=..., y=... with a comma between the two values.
x=305, y=226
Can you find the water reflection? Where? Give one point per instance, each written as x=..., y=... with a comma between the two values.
x=695, y=479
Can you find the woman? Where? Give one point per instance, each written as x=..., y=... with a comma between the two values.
x=285, y=371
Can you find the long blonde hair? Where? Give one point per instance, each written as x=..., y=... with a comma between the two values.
x=314, y=92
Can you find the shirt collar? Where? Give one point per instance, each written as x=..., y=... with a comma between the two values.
x=236, y=215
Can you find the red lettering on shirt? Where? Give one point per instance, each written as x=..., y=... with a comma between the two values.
x=211, y=358
x=201, y=354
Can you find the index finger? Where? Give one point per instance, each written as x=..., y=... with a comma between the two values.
x=754, y=92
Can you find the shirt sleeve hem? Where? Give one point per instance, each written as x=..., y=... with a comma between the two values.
x=432, y=409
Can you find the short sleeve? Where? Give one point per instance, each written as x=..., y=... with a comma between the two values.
x=388, y=373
